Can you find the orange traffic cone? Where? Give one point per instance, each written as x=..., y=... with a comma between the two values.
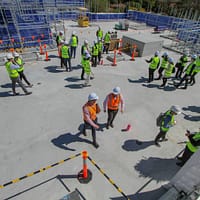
x=133, y=53
x=46, y=53
x=41, y=50
x=114, y=59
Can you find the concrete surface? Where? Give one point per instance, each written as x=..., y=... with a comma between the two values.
x=44, y=128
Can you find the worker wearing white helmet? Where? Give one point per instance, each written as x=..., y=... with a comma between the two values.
x=167, y=121
x=65, y=56
x=99, y=33
x=170, y=68
x=107, y=40
x=18, y=60
x=12, y=68
x=188, y=72
x=163, y=65
x=90, y=111
x=112, y=102
x=154, y=64
x=73, y=44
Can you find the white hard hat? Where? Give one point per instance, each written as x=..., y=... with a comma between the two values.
x=9, y=56
x=194, y=56
x=171, y=60
x=116, y=90
x=15, y=54
x=165, y=54
x=74, y=33
x=92, y=96
x=66, y=42
x=176, y=109
x=156, y=53
x=85, y=41
x=88, y=56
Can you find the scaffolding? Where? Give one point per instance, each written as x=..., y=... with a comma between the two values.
x=27, y=23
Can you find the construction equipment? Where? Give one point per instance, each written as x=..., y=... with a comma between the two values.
x=83, y=20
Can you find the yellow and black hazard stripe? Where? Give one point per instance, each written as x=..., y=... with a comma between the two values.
x=107, y=177
x=38, y=171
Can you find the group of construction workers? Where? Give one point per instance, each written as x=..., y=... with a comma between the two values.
x=167, y=66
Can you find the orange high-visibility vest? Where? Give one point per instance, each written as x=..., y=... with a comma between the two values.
x=92, y=111
x=113, y=101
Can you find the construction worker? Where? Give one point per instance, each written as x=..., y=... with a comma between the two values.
x=168, y=72
x=154, y=63
x=107, y=40
x=95, y=52
x=163, y=65
x=167, y=122
x=195, y=71
x=20, y=62
x=188, y=72
x=100, y=50
x=191, y=147
x=73, y=44
x=12, y=68
x=112, y=103
x=59, y=38
x=181, y=64
x=61, y=60
x=87, y=68
x=66, y=57
x=90, y=110
x=99, y=33
x=84, y=50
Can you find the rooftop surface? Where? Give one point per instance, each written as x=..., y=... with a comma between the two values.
x=44, y=128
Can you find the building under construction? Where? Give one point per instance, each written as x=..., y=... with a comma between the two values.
x=23, y=22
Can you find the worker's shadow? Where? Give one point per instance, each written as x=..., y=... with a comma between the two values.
x=75, y=86
x=5, y=94
x=73, y=79
x=54, y=69
x=141, y=80
x=7, y=85
x=192, y=109
x=64, y=140
x=136, y=145
x=159, y=169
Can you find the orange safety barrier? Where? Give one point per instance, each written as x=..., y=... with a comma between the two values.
x=114, y=59
x=46, y=53
x=120, y=47
x=133, y=53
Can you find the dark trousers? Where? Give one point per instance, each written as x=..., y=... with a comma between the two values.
x=186, y=155
x=61, y=62
x=164, y=82
x=67, y=63
x=94, y=61
x=186, y=79
x=73, y=51
x=99, y=57
x=160, y=73
x=106, y=48
x=82, y=74
x=179, y=72
x=111, y=116
x=192, y=79
x=151, y=74
x=88, y=126
x=23, y=77
x=161, y=135
x=17, y=80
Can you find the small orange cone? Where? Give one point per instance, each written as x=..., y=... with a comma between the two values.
x=46, y=53
x=133, y=53
x=120, y=47
x=114, y=59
